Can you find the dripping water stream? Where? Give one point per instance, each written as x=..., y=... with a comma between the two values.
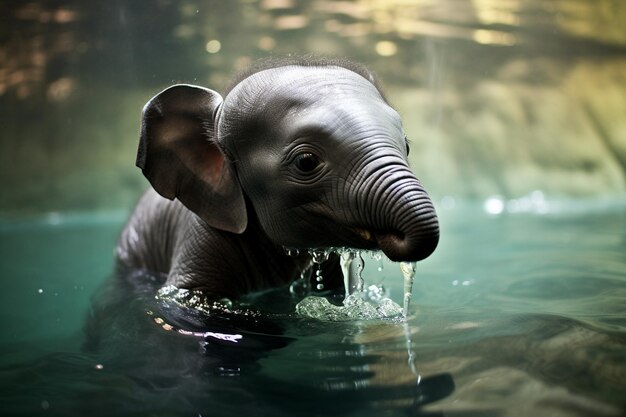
x=408, y=271
x=361, y=302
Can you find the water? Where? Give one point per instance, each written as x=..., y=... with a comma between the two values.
x=358, y=303
x=520, y=311
x=408, y=273
x=514, y=314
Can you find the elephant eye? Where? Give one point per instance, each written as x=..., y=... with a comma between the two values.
x=306, y=162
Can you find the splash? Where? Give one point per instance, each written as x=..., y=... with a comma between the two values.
x=198, y=301
x=360, y=303
x=354, y=307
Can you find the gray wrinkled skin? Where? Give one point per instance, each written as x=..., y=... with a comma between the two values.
x=298, y=156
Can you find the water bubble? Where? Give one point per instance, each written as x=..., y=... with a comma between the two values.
x=320, y=286
x=376, y=293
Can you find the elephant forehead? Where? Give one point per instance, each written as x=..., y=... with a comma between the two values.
x=343, y=119
x=281, y=88
x=299, y=101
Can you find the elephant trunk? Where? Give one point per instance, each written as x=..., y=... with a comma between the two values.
x=404, y=222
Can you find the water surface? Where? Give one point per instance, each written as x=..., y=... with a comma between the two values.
x=514, y=314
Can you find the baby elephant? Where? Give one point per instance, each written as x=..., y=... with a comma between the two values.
x=299, y=153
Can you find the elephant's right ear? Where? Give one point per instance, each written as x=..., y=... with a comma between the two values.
x=180, y=156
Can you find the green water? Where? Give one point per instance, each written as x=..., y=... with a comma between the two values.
x=514, y=314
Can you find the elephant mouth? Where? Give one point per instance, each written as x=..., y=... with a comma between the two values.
x=381, y=239
x=396, y=245
x=365, y=234
x=372, y=239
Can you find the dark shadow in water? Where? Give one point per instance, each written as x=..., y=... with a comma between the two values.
x=147, y=356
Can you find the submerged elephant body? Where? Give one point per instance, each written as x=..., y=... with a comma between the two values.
x=301, y=154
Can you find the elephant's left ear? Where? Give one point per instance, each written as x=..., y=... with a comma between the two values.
x=180, y=155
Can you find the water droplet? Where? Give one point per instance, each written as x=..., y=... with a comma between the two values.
x=319, y=255
x=99, y=366
x=318, y=276
x=291, y=251
x=301, y=286
x=40, y=290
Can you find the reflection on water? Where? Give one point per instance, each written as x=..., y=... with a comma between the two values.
x=514, y=314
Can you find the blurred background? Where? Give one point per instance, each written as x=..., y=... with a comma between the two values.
x=504, y=101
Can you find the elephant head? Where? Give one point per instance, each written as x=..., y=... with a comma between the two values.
x=313, y=152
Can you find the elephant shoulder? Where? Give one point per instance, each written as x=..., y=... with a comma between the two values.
x=147, y=240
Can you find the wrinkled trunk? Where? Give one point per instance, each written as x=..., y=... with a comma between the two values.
x=399, y=212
